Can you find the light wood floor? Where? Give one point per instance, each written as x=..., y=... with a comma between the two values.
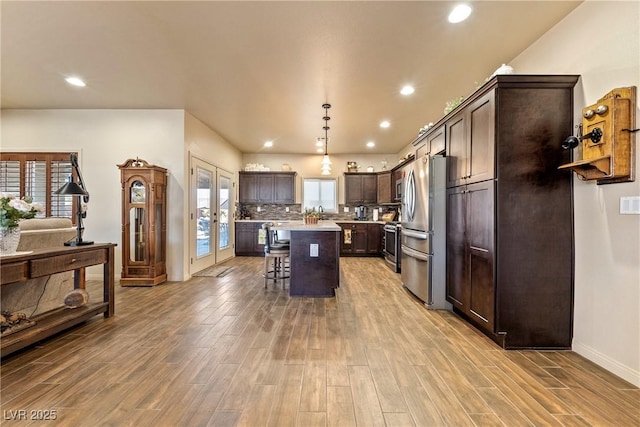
x=224, y=351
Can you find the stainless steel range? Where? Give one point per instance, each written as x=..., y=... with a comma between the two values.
x=423, y=243
x=392, y=245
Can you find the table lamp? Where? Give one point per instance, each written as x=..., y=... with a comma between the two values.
x=73, y=189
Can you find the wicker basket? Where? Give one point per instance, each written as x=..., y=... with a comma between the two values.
x=310, y=219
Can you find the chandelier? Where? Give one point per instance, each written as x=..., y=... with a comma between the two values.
x=326, y=162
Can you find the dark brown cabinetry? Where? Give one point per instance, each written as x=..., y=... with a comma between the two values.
x=360, y=188
x=267, y=187
x=374, y=239
x=247, y=239
x=432, y=142
x=384, y=187
x=361, y=239
x=436, y=141
x=509, y=211
x=470, y=251
x=470, y=142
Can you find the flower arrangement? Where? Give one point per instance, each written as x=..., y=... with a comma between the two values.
x=13, y=209
x=310, y=216
x=452, y=104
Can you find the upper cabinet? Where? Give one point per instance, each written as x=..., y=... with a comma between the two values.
x=384, y=187
x=267, y=187
x=432, y=143
x=470, y=147
x=360, y=188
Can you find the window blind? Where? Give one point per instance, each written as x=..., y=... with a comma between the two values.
x=39, y=175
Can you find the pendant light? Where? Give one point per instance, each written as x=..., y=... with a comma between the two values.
x=326, y=162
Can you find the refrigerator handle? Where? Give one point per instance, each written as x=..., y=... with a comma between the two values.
x=414, y=254
x=422, y=235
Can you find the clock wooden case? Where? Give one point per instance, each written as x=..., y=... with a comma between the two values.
x=144, y=223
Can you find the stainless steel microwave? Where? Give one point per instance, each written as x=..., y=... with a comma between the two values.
x=399, y=189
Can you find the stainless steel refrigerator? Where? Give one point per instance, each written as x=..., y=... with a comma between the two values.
x=423, y=231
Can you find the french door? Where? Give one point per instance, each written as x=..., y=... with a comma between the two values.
x=211, y=211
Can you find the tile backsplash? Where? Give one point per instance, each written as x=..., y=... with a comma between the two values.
x=279, y=212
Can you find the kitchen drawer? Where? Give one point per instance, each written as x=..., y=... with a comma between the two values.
x=14, y=272
x=56, y=264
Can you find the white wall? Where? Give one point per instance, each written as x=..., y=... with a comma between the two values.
x=104, y=139
x=207, y=145
x=600, y=41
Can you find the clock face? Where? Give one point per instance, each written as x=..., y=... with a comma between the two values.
x=137, y=193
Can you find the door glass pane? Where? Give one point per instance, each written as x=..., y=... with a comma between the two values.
x=223, y=209
x=203, y=212
x=159, y=237
x=137, y=235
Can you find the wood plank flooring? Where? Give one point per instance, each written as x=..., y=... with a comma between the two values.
x=227, y=352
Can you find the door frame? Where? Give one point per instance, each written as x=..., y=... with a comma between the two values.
x=215, y=255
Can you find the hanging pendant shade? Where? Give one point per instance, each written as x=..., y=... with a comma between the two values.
x=325, y=168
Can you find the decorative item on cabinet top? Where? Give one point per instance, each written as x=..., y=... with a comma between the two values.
x=257, y=167
x=352, y=167
x=608, y=142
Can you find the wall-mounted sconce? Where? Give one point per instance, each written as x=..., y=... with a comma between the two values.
x=608, y=147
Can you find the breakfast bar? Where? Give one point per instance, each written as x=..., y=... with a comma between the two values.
x=315, y=257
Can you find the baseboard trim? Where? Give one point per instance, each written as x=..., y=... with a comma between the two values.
x=615, y=367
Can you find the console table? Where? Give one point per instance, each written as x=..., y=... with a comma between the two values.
x=44, y=262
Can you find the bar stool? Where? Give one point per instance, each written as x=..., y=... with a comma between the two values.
x=276, y=257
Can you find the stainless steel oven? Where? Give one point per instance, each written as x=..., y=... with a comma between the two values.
x=392, y=245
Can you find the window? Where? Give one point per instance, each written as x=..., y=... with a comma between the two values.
x=320, y=192
x=38, y=175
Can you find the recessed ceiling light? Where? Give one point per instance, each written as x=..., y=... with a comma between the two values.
x=385, y=124
x=459, y=13
x=371, y=144
x=319, y=150
x=268, y=144
x=75, y=81
x=407, y=90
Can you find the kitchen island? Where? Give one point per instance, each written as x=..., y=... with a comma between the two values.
x=315, y=257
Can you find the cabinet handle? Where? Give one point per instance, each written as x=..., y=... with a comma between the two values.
x=73, y=260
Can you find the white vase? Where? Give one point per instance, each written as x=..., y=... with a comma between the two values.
x=9, y=240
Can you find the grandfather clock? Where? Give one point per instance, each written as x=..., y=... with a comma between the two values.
x=144, y=223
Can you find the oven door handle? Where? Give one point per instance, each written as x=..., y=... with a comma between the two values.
x=416, y=234
x=414, y=254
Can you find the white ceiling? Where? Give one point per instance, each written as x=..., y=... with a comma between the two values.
x=257, y=71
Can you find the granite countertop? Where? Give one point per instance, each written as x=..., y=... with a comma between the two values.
x=299, y=221
x=301, y=226
x=357, y=221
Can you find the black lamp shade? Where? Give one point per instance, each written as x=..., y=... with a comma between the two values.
x=71, y=189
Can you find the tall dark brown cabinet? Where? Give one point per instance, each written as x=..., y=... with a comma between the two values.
x=510, y=211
